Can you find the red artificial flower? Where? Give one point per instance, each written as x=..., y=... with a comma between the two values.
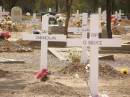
x=42, y=74
x=5, y=35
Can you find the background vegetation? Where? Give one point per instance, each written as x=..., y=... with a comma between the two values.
x=60, y=5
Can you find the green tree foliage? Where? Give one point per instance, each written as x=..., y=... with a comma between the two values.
x=59, y=5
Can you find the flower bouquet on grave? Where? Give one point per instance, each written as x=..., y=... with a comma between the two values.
x=42, y=75
x=5, y=35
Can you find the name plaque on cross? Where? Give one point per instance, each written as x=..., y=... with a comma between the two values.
x=43, y=37
x=102, y=42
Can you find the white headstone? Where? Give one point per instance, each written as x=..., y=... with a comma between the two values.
x=119, y=15
x=28, y=14
x=100, y=12
x=50, y=10
x=34, y=16
x=1, y=13
x=77, y=12
x=16, y=14
x=0, y=8
x=104, y=16
x=116, y=14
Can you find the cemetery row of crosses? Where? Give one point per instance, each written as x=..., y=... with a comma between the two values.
x=37, y=59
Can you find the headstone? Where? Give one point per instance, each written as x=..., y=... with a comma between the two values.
x=104, y=16
x=0, y=12
x=77, y=11
x=100, y=12
x=34, y=16
x=116, y=14
x=16, y=14
x=49, y=10
x=0, y=8
x=119, y=15
x=44, y=38
x=28, y=14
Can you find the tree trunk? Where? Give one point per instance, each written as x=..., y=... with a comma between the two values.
x=57, y=5
x=68, y=12
x=109, y=9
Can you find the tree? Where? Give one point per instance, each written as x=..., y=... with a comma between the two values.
x=68, y=13
x=108, y=7
x=57, y=5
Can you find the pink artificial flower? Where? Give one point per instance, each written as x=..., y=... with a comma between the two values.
x=42, y=73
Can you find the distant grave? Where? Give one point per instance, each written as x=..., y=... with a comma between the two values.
x=35, y=20
x=3, y=13
x=63, y=54
x=7, y=60
x=16, y=14
x=75, y=24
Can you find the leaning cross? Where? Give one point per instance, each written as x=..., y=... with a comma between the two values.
x=44, y=38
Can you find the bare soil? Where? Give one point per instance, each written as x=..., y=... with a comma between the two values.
x=18, y=80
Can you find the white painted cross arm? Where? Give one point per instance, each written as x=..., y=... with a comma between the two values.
x=93, y=42
x=43, y=37
x=4, y=13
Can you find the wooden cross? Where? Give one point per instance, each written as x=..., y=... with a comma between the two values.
x=44, y=38
x=94, y=43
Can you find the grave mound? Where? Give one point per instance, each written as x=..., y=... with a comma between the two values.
x=32, y=44
x=8, y=46
x=105, y=71
x=3, y=73
x=118, y=30
x=37, y=44
x=50, y=88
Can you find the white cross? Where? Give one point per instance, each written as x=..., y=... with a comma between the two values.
x=44, y=38
x=94, y=43
x=84, y=30
x=2, y=13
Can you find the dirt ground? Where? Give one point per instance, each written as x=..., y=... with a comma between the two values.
x=18, y=80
